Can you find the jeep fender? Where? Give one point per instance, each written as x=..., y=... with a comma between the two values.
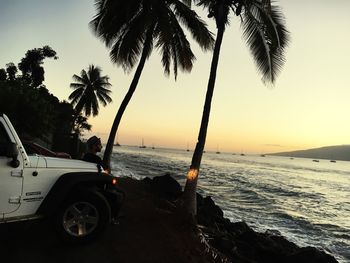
x=69, y=183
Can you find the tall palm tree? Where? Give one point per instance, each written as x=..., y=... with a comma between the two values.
x=266, y=35
x=90, y=88
x=132, y=28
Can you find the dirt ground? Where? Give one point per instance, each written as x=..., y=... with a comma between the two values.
x=147, y=232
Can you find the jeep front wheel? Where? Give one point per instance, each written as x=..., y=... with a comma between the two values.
x=83, y=217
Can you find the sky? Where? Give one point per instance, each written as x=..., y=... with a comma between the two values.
x=308, y=106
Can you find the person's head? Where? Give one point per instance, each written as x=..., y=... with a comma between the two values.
x=94, y=144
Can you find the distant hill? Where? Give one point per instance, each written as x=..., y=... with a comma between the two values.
x=341, y=152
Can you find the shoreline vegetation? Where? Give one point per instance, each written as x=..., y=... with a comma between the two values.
x=151, y=230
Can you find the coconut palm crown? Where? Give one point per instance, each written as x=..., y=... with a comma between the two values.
x=263, y=29
x=90, y=89
x=131, y=29
x=128, y=27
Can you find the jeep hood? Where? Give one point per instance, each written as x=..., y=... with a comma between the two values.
x=52, y=162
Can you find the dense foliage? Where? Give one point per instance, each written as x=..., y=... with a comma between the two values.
x=33, y=110
x=31, y=65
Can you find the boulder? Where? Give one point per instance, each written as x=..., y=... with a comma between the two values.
x=167, y=187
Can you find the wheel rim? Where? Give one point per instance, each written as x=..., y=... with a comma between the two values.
x=80, y=219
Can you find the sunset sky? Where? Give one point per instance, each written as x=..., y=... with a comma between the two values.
x=308, y=106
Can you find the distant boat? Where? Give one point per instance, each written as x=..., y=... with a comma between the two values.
x=217, y=150
x=153, y=146
x=316, y=161
x=187, y=148
x=142, y=145
x=262, y=155
x=116, y=142
x=333, y=161
x=242, y=154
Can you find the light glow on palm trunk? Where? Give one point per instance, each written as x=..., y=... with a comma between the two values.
x=192, y=174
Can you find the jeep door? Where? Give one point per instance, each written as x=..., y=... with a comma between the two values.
x=11, y=178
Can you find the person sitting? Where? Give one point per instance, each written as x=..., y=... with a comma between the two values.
x=94, y=146
x=116, y=195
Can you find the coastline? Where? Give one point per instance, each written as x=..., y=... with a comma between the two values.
x=150, y=230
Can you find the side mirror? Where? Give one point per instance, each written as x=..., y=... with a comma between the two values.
x=12, y=152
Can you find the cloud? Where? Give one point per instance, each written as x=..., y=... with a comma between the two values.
x=274, y=145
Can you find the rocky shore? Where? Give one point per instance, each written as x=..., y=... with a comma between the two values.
x=237, y=242
x=151, y=230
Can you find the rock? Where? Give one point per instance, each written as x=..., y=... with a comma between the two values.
x=310, y=255
x=241, y=243
x=167, y=187
x=207, y=211
x=223, y=244
x=147, y=180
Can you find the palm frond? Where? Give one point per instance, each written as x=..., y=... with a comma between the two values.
x=196, y=26
x=182, y=47
x=76, y=85
x=164, y=37
x=112, y=17
x=78, y=79
x=187, y=2
x=127, y=49
x=94, y=106
x=76, y=95
x=266, y=36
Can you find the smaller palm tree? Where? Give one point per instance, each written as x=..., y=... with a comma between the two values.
x=80, y=125
x=90, y=88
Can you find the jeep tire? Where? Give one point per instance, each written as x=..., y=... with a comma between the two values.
x=83, y=217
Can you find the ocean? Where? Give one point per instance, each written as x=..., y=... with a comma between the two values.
x=307, y=202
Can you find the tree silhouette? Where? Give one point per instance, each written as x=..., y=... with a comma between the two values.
x=3, y=74
x=132, y=28
x=30, y=65
x=267, y=37
x=80, y=125
x=11, y=70
x=90, y=88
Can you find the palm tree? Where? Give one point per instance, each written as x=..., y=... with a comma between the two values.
x=80, y=125
x=90, y=88
x=132, y=28
x=266, y=35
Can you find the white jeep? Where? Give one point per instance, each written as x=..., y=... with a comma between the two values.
x=79, y=196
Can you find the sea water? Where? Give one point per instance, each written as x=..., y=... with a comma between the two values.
x=305, y=201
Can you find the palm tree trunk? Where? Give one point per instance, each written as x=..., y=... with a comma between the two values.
x=189, y=196
x=126, y=100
